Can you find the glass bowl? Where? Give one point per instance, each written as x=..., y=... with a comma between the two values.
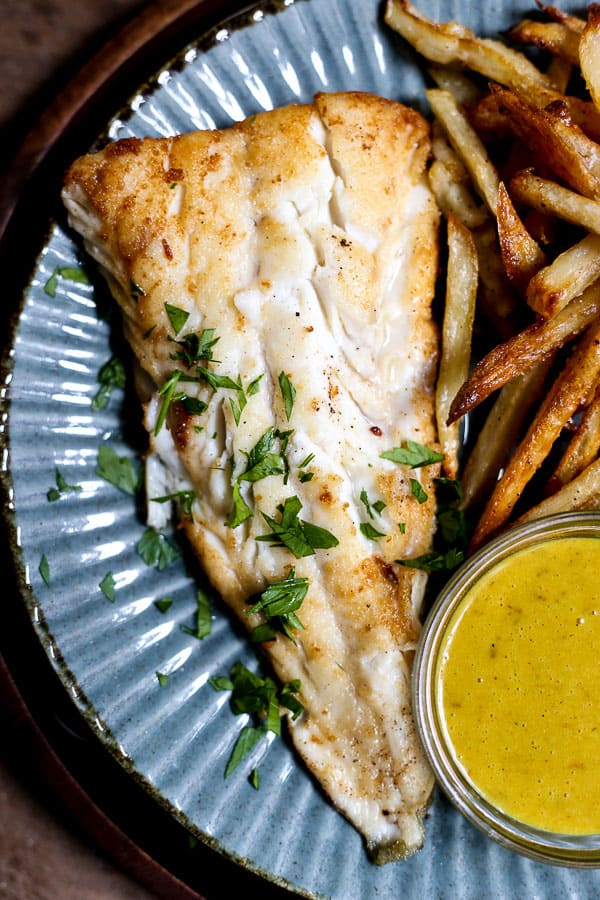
x=457, y=605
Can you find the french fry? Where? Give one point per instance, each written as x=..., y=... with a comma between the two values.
x=452, y=197
x=466, y=144
x=557, y=15
x=524, y=350
x=559, y=72
x=562, y=400
x=583, y=447
x=500, y=432
x=548, y=196
x=569, y=275
x=452, y=42
x=555, y=37
x=552, y=134
x=460, y=85
x=581, y=493
x=521, y=255
x=461, y=291
x=589, y=53
x=496, y=299
x=441, y=150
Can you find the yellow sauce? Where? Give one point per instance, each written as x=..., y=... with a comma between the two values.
x=519, y=685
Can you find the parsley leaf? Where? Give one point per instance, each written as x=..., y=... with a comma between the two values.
x=177, y=316
x=44, y=569
x=164, y=604
x=435, y=561
x=378, y=506
x=217, y=381
x=111, y=375
x=119, y=471
x=258, y=697
x=203, y=617
x=69, y=273
x=156, y=550
x=136, y=291
x=195, y=347
x=185, y=500
x=167, y=392
x=107, y=586
x=369, y=532
x=162, y=678
x=413, y=454
x=264, y=459
x=254, y=386
x=254, y=779
x=302, y=538
x=241, y=511
x=279, y=603
x=61, y=487
x=288, y=392
x=417, y=490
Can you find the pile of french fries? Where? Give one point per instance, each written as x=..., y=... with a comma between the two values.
x=523, y=253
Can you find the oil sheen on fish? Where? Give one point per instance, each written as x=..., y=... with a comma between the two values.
x=292, y=257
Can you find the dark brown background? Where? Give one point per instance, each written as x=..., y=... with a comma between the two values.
x=43, y=853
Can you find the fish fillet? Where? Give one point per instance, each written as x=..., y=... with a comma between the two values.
x=306, y=237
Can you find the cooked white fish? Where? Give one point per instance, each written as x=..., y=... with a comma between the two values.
x=305, y=241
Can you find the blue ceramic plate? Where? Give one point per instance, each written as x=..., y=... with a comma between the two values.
x=177, y=738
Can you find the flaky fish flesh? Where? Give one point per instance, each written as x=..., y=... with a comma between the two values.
x=275, y=280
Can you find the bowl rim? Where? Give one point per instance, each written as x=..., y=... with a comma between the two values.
x=580, y=851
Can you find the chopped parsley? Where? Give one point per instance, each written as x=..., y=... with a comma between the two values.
x=434, y=561
x=303, y=477
x=177, y=316
x=240, y=511
x=413, y=454
x=288, y=392
x=162, y=678
x=156, y=550
x=185, y=500
x=136, y=291
x=107, y=586
x=167, y=392
x=117, y=470
x=194, y=406
x=69, y=273
x=254, y=779
x=55, y=493
x=164, y=604
x=195, y=347
x=44, y=569
x=402, y=527
x=254, y=386
x=417, y=490
x=111, y=375
x=258, y=697
x=203, y=617
x=266, y=458
x=369, y=532
x=452, y=533
x=371, y=508
x=301, y=537
x=279, y=603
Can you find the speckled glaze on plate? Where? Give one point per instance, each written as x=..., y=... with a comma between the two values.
x=177, y=738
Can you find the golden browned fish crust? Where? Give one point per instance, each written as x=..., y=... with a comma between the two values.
x=307, y=237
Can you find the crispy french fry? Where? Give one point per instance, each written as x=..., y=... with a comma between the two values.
x=466, y=144
x=557, y=15
x=582, y=492
x=559, y=72
x=521, y=255
x=521, y=352
x=496, y=299
x=569, y=275
x=461, y=291
x=500, y=433
x=452, y=197
x=552, y=134
x=589, y=53
x=548, y=196
x=448, y=78
x=583, y=447
x=555, y=37
x=441, y=150
x=452, y=42
x=563, y=399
